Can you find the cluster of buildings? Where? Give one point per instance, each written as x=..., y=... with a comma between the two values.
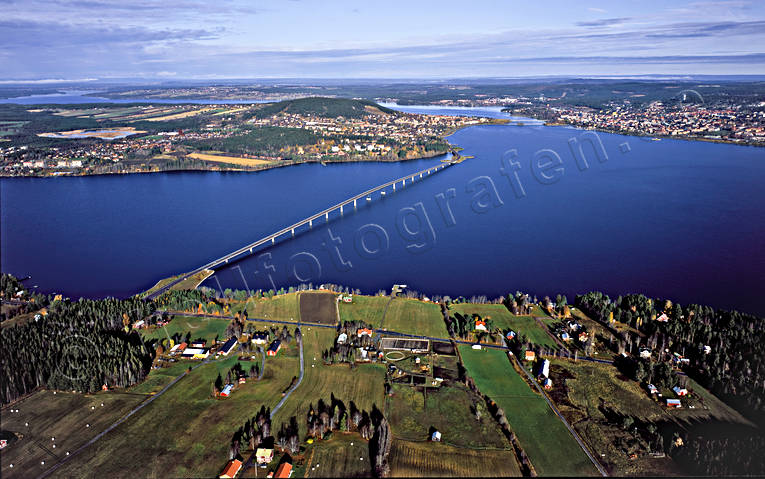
x=737, y=124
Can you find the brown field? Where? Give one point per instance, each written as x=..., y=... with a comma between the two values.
x=233, y=160
x=318, y=308
x=432, y=459
x=233, y=110
x=178, y=116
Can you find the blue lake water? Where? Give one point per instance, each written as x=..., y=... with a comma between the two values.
x=677, y=219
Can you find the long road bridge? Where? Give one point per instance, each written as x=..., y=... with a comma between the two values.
x=290, y=230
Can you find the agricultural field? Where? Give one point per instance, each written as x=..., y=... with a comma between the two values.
x=62, y=416
x=206, y=328
x=283, y=307
x=447, y=409
x=229, y=160
x=549, y=445
x=318, y=308
x=159, y=378
x=363, y=384
x=344, y=455
x=504, y=319
x=177, y=421
x=404, y=315
x=179, y=116
x=433, y=459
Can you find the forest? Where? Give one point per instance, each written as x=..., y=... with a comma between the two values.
x=79, y=346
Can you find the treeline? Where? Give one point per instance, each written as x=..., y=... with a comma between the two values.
x=723, y=350
x=321, y=106
x=265, y=140
x=739, y=454
x=78, y=346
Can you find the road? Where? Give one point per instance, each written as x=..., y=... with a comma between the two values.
x=300, y=380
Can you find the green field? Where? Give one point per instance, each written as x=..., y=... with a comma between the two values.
x=448, y=410
x=403, y=315
x=362, y=385
x=433, y=459
x=284, y=307
x=339, y=456
x=549, y=445
x=207, y=328
x=62, y=416
x=504, y=319
x=192, y=429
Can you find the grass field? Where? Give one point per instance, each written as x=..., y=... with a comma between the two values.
x=404, y=315
x=503, y=319
x=206, y=328
x=283, y=308
x=192, y=429
x=432, y=459
x=62, y=416
x=339, y=457
x=318, y=308
x=448, y=410
x=191, y=283
x=230, y=160
x=549, y=445
x=159, y=378
x=362, y=385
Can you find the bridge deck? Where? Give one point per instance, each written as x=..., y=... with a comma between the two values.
x=248, y=249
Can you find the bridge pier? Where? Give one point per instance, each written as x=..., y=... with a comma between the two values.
x=310, y=223
x=293, y=232
x=354, y=204
x=420, y=175
x=272, y=240
x=326, y=216
x=394, y=186
x=341, y=210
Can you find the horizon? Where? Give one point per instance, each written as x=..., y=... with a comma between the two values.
x=188, y=40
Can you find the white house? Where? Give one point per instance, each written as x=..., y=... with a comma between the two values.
x=342, y=338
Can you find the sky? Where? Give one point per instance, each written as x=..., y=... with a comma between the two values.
x=202, y=39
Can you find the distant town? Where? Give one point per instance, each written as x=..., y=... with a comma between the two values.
x=243, y=137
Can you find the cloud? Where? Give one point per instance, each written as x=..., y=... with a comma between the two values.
x=605, y=22
x=24, y=33
x=596, y=10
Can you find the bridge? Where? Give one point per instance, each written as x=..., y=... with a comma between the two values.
x=290, y=230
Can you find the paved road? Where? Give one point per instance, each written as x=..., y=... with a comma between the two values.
x=300, y=380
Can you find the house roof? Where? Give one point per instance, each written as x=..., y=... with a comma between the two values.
x=275, y=345
x=283, y=470
x=232, y=468
x=228, y=344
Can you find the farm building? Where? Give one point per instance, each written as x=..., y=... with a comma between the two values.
x=231, y=469
x=227, y=390
x=674, y=403
x=364, y=331
x=274, y=348
x=480, y=324
x=574, y=326
x=653, y=389
x=342, y=338
x=260, y=338
x=227, y=347
x=663, y=318
x=264, y=455
x=680, y=391
x=436, y=436
x=181, y=347
x=411, y=345
x=530, y=356
x=547, y=384
x=645, y=353
x=476, y=346
x=198, y=343
x=510, y=334
x=196, y=353
x=347, y=298
x=544, y=370
x=284, y=470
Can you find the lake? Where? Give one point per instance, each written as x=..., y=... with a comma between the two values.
x=531, y=211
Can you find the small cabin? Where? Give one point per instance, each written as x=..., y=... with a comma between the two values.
x=227, y=390
x=674, y=403
x=274, y=348
x=436, y=436
x=530, y=356
x=680, y=391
